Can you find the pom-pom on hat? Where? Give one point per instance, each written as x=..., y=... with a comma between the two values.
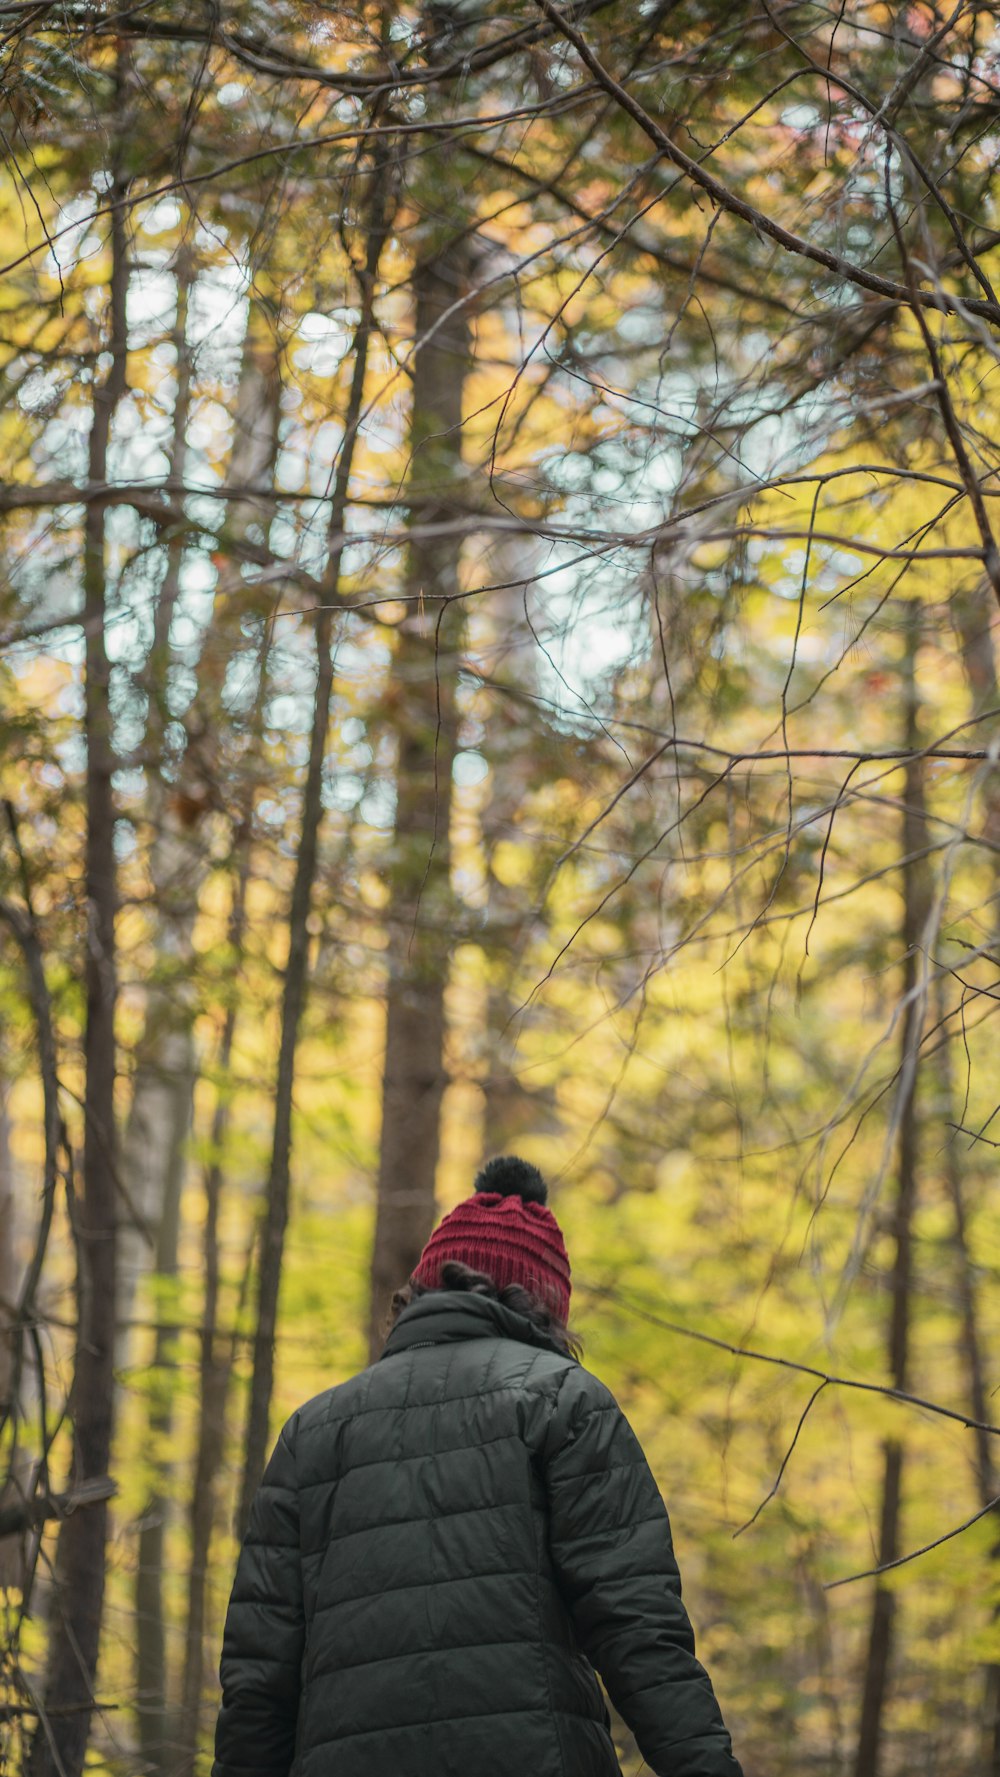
x=507, y=1230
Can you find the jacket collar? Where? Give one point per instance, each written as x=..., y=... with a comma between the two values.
x=444, y=1316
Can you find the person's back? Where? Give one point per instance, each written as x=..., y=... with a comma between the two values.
x=442, y=1551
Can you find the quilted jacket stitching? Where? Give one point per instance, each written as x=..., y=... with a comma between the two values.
x=391, y=1408
x=426, y=1518
x=624, y=1591
x=440, y=1647
x=465, y=1579
x=422, y=1721
x=543, y=1648
x=508, y=1436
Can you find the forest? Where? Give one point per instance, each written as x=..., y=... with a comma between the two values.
x=499, y=614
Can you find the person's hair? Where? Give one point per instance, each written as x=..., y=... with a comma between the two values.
x=456, y=1276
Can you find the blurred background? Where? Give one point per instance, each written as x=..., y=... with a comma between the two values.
x=499, y=605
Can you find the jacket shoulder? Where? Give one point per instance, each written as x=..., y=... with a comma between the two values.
x=568, y=1381
x=553, y=1389
x=339, y=1401
x=559, y=1395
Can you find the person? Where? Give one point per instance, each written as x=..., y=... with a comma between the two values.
x=448, y=1548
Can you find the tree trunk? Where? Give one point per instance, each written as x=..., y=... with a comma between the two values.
x=154, y=1151
x=510, y=655
x=272, y=1242
x=158, y=659
x=166, y=1067
x=163, y=1061
x=15, y=1483
x=150, y=1629
x=217, y=1359
x=60, y=1741
x=970, y=1341
x=420, y=905
x=915, y=909
x=974, y=615
x=24, y=1376
x=179, y=860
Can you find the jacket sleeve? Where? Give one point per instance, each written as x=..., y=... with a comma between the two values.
x=265, y=1632
x=614, y=1560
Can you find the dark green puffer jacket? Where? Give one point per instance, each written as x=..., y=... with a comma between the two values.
x=441, y=1552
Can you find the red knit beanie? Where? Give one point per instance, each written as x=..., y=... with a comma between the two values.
x=506, y=1230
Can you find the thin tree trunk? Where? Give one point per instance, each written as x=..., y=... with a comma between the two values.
x=157, y=663
x=272, y=1242
x=163, y=1098
x=25, y=1377
x=59, y=1744
x=163, y=1058
x=14, y=1483
x=150, y=1628
x=160, y=1112
x=164, y=1061
x=881, y=1635
x=216, y=1362
x=420, y=902
x=970, y=1342
x=8, y=1260
x=510, y=656
x=218, y=1359
x=974, y=615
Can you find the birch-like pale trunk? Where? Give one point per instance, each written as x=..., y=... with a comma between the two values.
x=510, y=655
x=164, y=1075
x=159, y=1122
